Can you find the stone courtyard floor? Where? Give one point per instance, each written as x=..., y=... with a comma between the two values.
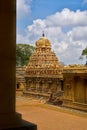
x=49, y=117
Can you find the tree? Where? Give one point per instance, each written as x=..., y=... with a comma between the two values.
x=84, y=53
x=23, y=53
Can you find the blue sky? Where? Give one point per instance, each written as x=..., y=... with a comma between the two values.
x=43, y=8
x=64, y=23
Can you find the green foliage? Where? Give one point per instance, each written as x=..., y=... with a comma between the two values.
x=84, y=52
x=23, y=53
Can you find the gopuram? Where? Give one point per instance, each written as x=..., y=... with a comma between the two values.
x=43, y=74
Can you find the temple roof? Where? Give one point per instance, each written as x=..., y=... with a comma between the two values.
x=43, y=61
x=75, y=69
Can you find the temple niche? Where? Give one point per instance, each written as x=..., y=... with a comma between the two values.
x=43, y=74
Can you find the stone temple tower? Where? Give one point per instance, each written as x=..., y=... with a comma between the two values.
x=43, y=73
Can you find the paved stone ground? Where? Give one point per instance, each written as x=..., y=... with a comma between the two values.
x=48, y=117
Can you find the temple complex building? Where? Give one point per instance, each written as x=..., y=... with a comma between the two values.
x=43, y=74
x=75, y=87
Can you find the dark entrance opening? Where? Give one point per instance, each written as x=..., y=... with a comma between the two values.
x=17, y=86
x=62, y=88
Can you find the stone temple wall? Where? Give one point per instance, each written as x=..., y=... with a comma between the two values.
x=20, y=77
x=75, y=86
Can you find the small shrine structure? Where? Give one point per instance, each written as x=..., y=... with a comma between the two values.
x=43, y=74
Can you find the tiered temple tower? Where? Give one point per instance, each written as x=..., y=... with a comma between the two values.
x=44, y=73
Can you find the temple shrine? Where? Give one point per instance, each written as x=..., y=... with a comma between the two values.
x=43, y=74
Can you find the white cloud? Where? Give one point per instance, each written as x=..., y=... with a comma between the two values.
x=67, y=18
x=67, y=31
x=78, y=33
x=23, y=8
x=85, y=1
